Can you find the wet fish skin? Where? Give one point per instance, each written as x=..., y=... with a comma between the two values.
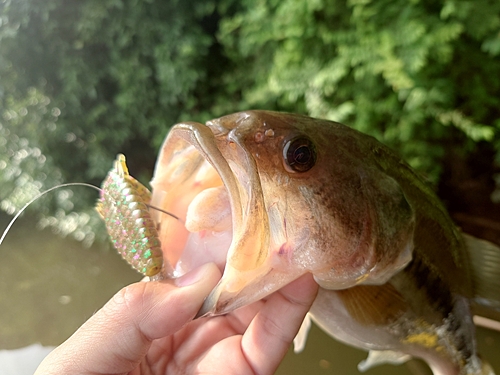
x=393, y=268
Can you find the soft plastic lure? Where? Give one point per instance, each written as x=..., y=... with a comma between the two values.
x=124, y=206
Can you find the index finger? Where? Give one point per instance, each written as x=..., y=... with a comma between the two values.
x=268, y=337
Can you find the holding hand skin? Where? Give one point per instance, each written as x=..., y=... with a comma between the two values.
x=147, y=328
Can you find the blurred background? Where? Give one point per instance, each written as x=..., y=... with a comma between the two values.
x=84, y=80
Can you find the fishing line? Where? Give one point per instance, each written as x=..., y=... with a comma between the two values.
x=40, y=195
x=66, y=185
x=165, y=212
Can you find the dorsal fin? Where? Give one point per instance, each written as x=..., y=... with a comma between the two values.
x=484, y=260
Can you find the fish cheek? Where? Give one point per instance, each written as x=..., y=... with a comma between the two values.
x=344, y=230
x=371, y=232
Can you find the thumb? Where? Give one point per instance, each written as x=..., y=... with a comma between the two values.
x=118, y=336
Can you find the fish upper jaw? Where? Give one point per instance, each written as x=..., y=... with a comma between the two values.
x=250, y=273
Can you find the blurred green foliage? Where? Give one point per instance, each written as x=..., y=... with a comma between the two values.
x=82, y=80
x=403, y=71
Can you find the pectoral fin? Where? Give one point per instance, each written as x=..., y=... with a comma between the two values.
x=380, y=357
x=299, y=342
x=373, y=304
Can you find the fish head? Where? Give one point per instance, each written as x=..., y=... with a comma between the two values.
x=270, y=196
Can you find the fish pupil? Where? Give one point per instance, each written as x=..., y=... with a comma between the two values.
x=300, y=154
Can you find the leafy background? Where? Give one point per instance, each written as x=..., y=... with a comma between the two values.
x=82, y=80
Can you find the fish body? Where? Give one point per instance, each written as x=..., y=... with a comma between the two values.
x=295, y=195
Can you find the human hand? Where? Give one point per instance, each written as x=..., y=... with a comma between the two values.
x=147, y=328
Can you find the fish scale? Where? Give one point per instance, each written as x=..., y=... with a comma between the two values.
x=123, y=205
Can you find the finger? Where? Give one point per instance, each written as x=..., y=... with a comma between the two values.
x=268, y=337
x=118, y=336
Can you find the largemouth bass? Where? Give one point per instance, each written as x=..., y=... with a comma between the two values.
x=270, y=196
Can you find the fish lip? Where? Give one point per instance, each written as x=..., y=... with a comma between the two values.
x=223, y=147
x=247, y=265
x=180, y=138
x=221, y=302
x=204, y=140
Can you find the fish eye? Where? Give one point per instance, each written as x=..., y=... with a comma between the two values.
x=299, y=154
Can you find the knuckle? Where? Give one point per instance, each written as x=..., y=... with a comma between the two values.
x=274, y=329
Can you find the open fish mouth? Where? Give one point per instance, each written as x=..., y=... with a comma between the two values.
x=191, y=179
x=206, y=177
